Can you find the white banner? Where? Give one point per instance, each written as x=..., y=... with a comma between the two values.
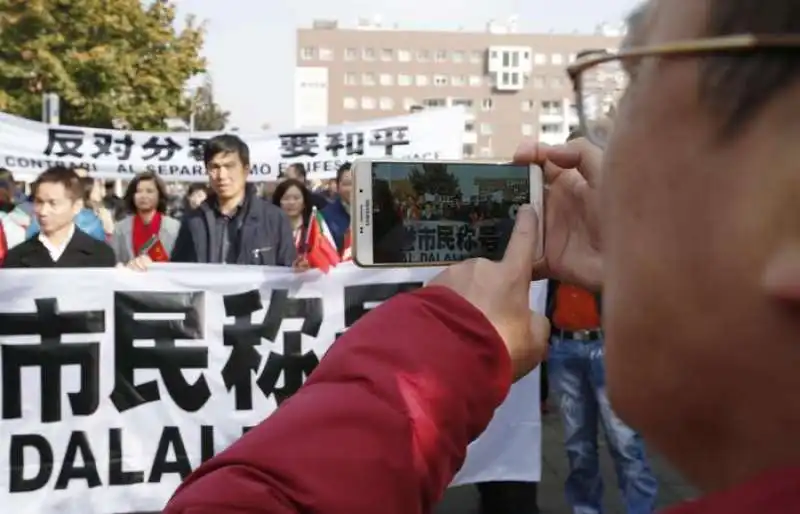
x=115, y=384
x=29, y=147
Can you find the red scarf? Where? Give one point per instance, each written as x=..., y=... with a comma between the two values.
x=142, y=232
x=3, y=243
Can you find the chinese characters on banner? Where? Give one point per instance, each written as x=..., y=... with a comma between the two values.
x=111, y=396
x=28, y=147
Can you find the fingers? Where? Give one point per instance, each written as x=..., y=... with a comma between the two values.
x=581, y=155
x=524, y=247
x=540, y=331
x=530, y=151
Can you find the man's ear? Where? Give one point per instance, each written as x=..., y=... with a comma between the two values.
x=782, y=274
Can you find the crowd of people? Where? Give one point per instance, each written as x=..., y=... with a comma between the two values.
x=227, y=221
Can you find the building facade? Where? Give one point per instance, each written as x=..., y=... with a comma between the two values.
x=512, y=85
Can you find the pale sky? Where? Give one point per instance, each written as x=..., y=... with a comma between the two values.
x=250, y=44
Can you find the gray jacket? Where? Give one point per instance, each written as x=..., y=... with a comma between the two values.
x=122, y=240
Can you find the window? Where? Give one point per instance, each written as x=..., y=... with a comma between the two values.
x=476, y=57
x=422, y=80
x=368, y=54
x=551, y=128
x=486, y=129
x=350, y=54
x=475, y=80
x=515, y=79
x=386, y=79
x=325, y=54
x=387, y=55
x=307, y=53
x=408, y=103
x=350, y=103
x=527, y=105
x=551, y=107
x=386, y=104
x=439, y=80
x=506, y=59
x=404, y=80
x=441, y=56
x=463, y=102
x=368, y=79
x=572, y=57
x=487, y=104
x=527, y=129
x=540, y=59
x=458, y=80
x=403, y=55
x=350, y=79
x=557, y=59
x=458, y=56
x=367, y=103
x=435, y=102
x=469, y=127
x=515, y=60
x=423, y=56
x=468, y=150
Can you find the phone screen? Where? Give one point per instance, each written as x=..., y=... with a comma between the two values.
x=444, y=212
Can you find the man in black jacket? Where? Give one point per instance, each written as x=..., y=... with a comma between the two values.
x=60, y=244
x=234, y=225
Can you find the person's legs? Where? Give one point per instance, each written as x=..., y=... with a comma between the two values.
x=637, y=483
x=509, y=497
x=569, y=364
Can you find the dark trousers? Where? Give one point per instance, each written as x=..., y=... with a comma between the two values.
x=509, y=497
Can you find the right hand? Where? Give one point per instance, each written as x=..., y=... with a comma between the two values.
x=572, y=244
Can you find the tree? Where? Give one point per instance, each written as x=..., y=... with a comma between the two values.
x=433, y=179
x=208, y=116
x=106, y=59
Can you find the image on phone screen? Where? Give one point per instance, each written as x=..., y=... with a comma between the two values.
x=444, y=212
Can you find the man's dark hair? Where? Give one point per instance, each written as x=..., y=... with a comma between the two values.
x=226, y=143
x=64, y=176
x=145, y=176
x=341, y=171
x=196, y=186
x=300, y=168
x=739, y=85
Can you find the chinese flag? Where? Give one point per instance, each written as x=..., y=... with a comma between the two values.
x=155, y=250
x=157, y=253
x=3, y=243
x=320, y=247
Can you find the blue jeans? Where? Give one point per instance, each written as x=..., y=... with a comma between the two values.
x=577, y=379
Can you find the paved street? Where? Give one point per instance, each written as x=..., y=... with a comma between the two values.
x=463, y=500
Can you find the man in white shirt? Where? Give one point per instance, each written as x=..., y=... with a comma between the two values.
x=60, y=244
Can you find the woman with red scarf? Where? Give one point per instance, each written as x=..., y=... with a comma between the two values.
x=148, y=234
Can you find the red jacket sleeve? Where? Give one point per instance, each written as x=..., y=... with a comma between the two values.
x=382, y=425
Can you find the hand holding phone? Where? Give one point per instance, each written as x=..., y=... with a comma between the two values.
x=434, y=213
x=501, y=291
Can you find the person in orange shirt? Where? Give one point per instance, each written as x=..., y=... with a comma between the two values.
x=577, y=380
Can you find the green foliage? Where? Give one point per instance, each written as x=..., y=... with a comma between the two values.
x=433, y=179
x=208, y=116
x=106, y=59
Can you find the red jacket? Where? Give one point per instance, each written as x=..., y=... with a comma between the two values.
x=382, y=425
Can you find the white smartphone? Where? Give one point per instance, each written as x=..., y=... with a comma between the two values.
x=433, y=213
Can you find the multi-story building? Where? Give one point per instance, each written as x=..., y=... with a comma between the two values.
x=512, y=85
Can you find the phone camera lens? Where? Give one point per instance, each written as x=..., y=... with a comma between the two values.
x=360, y=190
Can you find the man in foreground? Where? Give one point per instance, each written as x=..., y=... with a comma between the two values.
x=234, y=225
x=695, y=209
x=59, y=243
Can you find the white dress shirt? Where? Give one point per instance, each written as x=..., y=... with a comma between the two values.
x=57, y=251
